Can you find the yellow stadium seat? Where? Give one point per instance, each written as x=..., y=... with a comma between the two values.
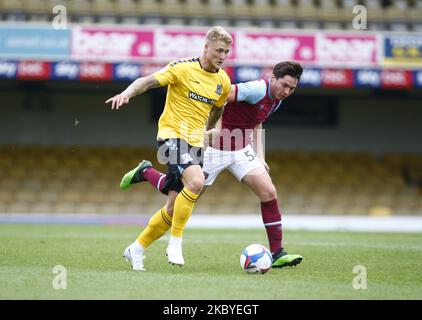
x=262, y=9
x=238, y=9
x=171, y=8
x=19, y=207
x=216, y=8
x=148, y=8
x=64, y=207
x=80, y=7
x=7, y=196
x=397, y=11
x=12, y=5
x=37, y=6
x=102, y=7
x=125, y=7
x=375, y=11
x=42, y=207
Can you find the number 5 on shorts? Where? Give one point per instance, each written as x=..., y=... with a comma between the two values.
x=251, y=157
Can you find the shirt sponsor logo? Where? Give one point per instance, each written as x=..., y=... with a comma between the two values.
x=197, y=97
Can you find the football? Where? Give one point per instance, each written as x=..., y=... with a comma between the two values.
x=256, y=258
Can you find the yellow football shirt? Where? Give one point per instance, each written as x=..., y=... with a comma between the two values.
x=191, y=93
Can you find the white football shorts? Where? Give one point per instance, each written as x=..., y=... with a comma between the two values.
x=239, y=163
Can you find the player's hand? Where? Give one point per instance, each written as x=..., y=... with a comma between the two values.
x=209, y=135
x=118, y=100
x=212, y=132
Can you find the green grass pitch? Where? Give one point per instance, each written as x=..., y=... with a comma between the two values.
x=95, y=269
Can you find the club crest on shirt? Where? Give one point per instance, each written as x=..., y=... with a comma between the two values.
x=219, y=89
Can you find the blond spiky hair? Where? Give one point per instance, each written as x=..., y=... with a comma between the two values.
x=218, y=33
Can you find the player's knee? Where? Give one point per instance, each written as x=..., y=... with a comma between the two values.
x=196, y=184
x=269, y=192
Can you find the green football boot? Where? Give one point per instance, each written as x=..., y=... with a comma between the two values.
x=135, y=175
x=283, y=259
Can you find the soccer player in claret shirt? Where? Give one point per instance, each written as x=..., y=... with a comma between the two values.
x=236, y=146
x=197, y=89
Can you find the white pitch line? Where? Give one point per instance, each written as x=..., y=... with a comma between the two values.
x=247, y=221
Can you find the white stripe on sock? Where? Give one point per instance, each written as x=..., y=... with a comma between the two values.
x=272, y=223
x=159, y=181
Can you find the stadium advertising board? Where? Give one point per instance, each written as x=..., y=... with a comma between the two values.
x=126, y=71
x=417, y=79
x=367, y=78
x=247, y=73
x=270, y=48
x=34, y=43
x=171, y=44
x=311, y=77
x=346, y=50
x=250, y=48
x=111, y=44
x=8, y=69
x=337, y=78
x=95, y=71
x=93, y=53
x=403, y=49
x=65, y=70
x=396, y=79
x=33, y=70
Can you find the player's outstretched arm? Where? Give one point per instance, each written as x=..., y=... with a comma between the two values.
x=137, y=87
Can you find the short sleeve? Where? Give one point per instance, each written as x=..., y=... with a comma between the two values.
x=251, y=91
x=168, y=74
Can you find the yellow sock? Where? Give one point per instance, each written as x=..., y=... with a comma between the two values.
x=157, y=226
x=183, y=207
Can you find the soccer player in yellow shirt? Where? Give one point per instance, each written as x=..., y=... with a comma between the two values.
x=197, y=89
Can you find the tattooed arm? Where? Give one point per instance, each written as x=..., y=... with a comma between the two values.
x=214, y=116
x=213, y=125
x=137, y=87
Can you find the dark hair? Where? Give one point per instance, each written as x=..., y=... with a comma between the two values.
x=288, y=68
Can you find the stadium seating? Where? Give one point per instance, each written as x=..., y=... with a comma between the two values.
x=80, y=179
x=401, y=15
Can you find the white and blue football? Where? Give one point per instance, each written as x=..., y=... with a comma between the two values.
x=256, y=258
